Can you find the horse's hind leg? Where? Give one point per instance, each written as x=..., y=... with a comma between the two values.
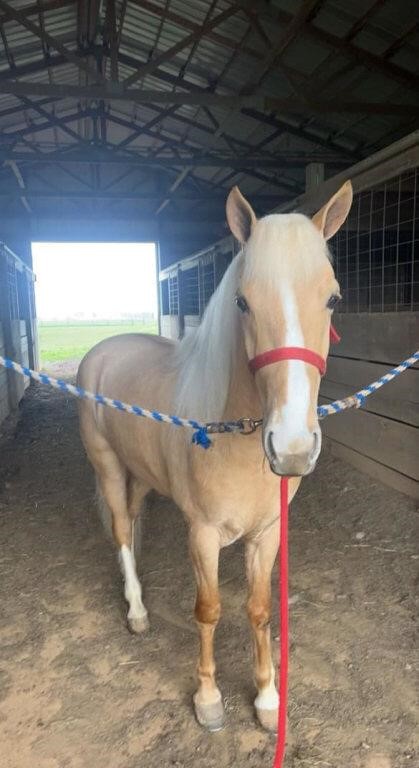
x=137, y=614
x=123, y=496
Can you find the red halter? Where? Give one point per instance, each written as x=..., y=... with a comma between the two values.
x=293, y=353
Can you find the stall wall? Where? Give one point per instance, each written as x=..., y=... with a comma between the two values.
x=18, y=332
x=4, y=390
x=382, y=438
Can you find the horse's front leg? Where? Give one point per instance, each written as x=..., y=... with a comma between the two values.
x=205, y=548
x=260, y=557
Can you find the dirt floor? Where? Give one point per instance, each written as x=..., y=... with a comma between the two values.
x=77, y=690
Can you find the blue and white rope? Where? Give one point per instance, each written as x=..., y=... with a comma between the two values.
x=200, y=435
x=84, y=394
x=357, y=400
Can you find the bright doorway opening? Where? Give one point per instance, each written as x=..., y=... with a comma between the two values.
x=86, y=292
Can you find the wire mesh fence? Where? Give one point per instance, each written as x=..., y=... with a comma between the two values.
x=173, y=295
x=376, y=252
x=376, y=256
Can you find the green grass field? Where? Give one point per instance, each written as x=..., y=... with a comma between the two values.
x=59, y=342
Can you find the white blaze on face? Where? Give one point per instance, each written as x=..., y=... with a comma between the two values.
x=289, y=426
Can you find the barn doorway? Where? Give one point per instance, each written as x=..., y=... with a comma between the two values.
x=88, y=291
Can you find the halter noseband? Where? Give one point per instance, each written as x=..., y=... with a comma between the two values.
x=293, y=353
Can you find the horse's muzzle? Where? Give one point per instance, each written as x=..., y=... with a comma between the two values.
x=293, y=463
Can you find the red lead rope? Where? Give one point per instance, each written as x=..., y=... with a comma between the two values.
x=267, y=358
x=283, y=609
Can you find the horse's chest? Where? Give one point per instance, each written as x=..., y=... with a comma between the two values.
x=241, y=513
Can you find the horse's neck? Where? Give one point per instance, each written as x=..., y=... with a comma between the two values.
x=242, y=399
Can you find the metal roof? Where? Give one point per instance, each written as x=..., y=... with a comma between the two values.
x=164, y=104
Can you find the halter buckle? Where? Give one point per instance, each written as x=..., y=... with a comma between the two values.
x=248, y=425
x=245, y=426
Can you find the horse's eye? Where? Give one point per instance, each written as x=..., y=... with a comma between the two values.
x=242, y=304
x=333, y=300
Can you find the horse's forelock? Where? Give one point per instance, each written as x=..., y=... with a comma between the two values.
x=284, y=245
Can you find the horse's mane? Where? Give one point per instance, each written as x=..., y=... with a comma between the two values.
x=205, y=356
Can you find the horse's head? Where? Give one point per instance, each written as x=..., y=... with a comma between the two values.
x=285, y=295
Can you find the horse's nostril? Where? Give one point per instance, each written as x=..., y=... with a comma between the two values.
x=315, y=443
x=271, y=445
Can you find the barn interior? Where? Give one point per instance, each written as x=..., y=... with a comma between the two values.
x=130, y=121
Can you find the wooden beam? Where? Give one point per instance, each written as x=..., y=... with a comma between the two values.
x=106, y=195
x=110, y=38
x=19, y=178
x=164, y=76
x=110, y=92
x=180, y=160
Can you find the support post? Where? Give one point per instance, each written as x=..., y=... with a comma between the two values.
x=314, y=176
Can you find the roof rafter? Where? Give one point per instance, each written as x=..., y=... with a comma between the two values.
x=306, y=11
x=311, y=136
x=152, y=65
x=110, y=37
x=206, y=98
x=106, y=195
x=355, y=52
x=33, y=9
x=45, y=37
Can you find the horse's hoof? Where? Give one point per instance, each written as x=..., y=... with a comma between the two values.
x=210, y=716
x=138, y=625
x=268, y=719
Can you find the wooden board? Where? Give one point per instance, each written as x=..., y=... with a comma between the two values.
x=373, y=468
x=19, y=383
x=4, y=408
x=397, y=400
x=387, y=337
x=397, y=409
x=169, y=325
x=391, y=443
x=191, y=321
x=4, y=387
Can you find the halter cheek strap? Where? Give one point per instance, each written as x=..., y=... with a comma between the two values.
x=293, y=353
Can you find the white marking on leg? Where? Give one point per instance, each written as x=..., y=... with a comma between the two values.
x=268, y=697
x=132, y=589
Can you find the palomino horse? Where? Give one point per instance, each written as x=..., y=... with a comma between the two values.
x=278, y=291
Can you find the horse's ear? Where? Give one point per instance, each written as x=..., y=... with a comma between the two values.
x=240, y=215
x=331, y=217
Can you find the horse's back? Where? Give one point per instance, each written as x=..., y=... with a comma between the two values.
x=135, y=368
x=127, y=355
